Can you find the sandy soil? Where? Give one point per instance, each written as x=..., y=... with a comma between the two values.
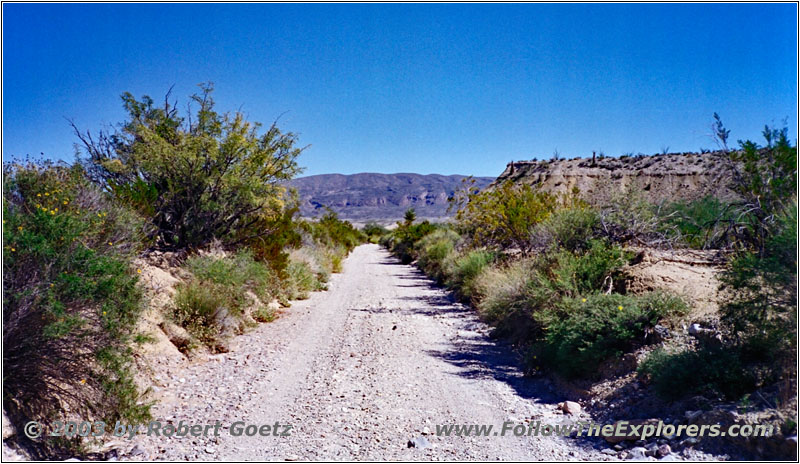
x=379, y=359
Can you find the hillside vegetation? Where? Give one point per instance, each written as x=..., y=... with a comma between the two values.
x=550, y=270
x=205, y=188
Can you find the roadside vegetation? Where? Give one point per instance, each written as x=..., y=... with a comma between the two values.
x=548, y=271
x=205, y=187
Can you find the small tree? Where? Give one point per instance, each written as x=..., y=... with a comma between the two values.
x=209, y=176
x=766, y=180
x=503, y=216
x=762, y=276
x=719, y=133
x=410, y=216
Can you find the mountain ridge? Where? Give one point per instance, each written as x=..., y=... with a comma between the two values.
x=380, y=196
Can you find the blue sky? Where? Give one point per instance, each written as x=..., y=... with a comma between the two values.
x=412, y=88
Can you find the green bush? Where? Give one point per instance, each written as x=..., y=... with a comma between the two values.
x=284, y=235
x=700, y=223
x=211, y=176
x=302, y=280
x=577, y=273
x=766, y=179
x=218, y=292
x=503, y=216
x=465, y=269
x=760, y=279
x=404, y=238
x=509, y=295
x=70, y=299
x=239, y=272
x=629, y=217
x=568, y=228
x=374, y=232
x=327, y=243
x=718, y=372
x=432, y=251
x=264, y=314
x=762, y=306
x=196, y=305
x=583, y=332
x=332, y=232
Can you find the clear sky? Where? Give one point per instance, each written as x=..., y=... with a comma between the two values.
x=412, y=88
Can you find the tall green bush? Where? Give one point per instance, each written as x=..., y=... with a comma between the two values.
x=207, y=176
x=70, y=299
x=503, y=216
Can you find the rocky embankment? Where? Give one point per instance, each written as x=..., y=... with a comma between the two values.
x=670, y=177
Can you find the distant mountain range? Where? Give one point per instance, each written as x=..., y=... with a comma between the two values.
x=381, y=197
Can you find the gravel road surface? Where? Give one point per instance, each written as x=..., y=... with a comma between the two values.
x=378, y=360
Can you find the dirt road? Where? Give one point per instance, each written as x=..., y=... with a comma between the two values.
x=379, y=359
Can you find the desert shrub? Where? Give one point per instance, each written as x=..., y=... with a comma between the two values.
x=582, y=332
x=374, y=232
x=264, y=314
x=719, y=372
x=629, y=218
x=766, y=179
x=760, y=279
x=762, y=276
x=196, y=305
x=209, y=176
x=217, y=293
x=283, y=235
x=762, y=307
x=557, y=303
x=512, y=295
x=240, y=272
x=465, y=269
x=410, y=216
x=502, y=217
x=432, y=251
x=405, y=236
x=568, y=228
x=302, y=280
x=70, y=299
x=700, y=223
x=332, y=232
x=508, y=295
x=577, y=273
x=328, y=241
